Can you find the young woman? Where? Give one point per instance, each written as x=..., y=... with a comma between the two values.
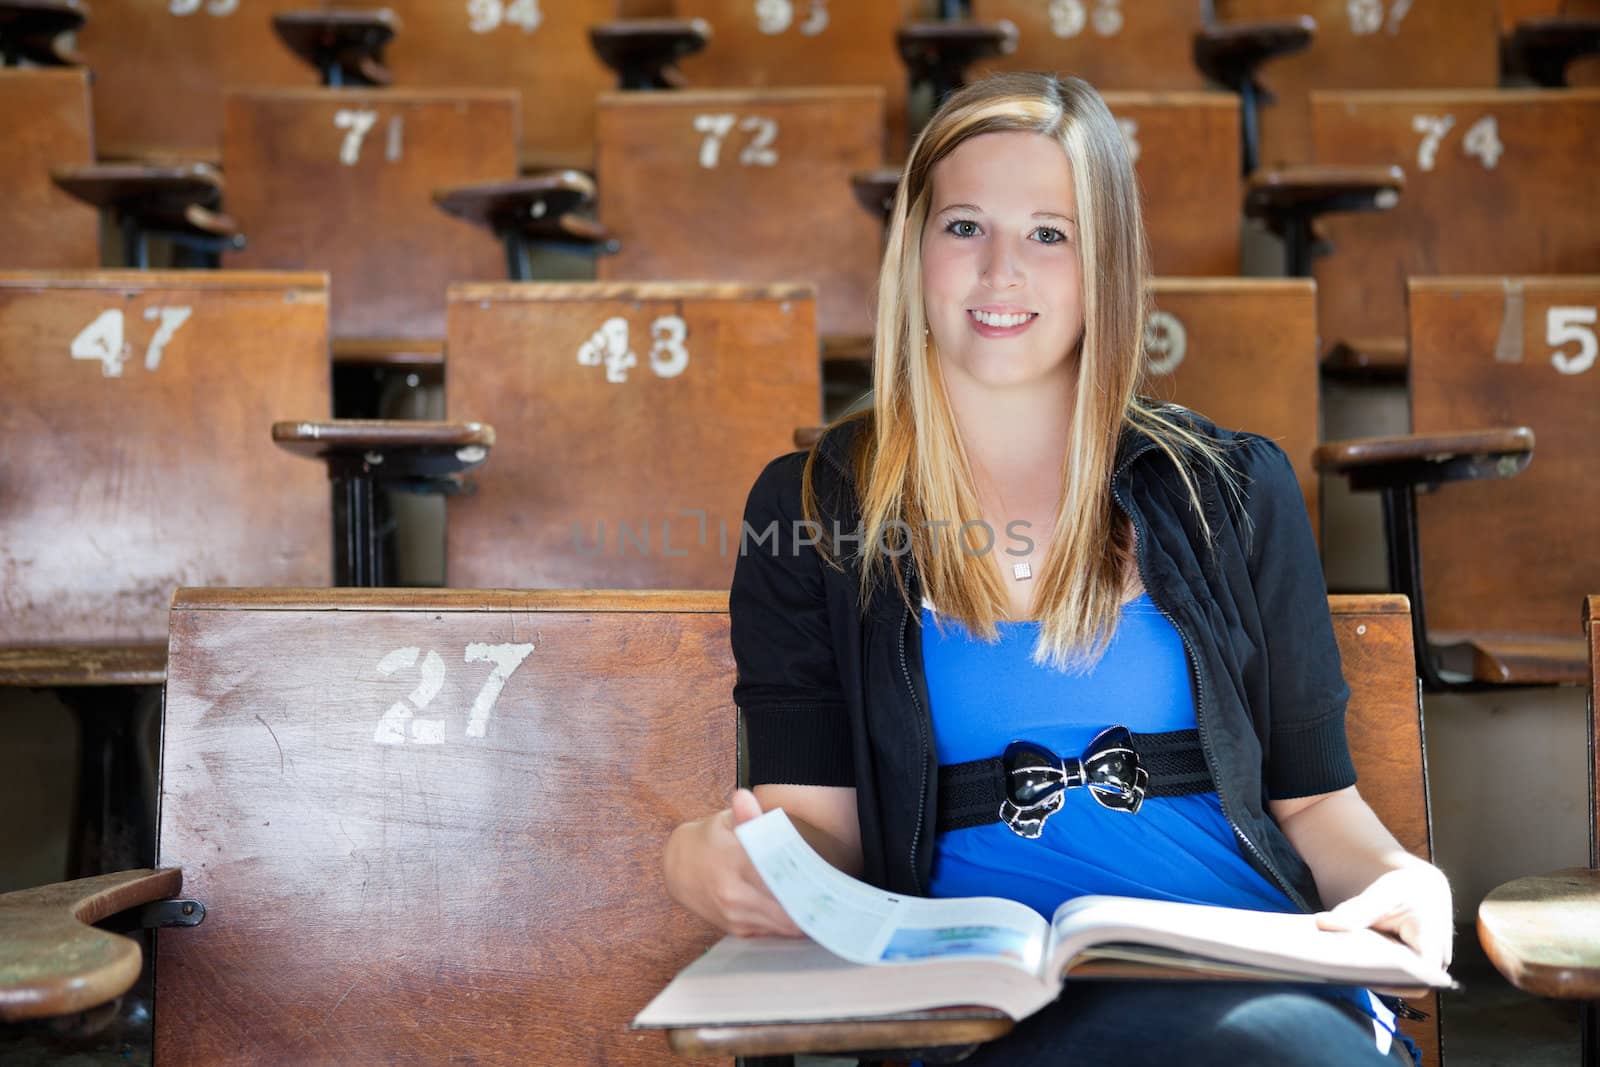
x=1014, y=545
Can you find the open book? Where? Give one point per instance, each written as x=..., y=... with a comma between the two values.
x=869, y=954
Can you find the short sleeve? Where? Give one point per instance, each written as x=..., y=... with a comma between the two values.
x=796, y=728
x=1308, y=752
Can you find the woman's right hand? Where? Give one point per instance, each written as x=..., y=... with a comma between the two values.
x=709, y=872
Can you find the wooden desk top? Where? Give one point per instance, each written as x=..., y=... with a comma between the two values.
x=1543, y=933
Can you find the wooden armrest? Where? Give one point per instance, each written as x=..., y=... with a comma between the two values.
x=79, y=665
x=1368, y=359
x=420, y=353
x=1543, y=933
x=349, y=39
x=52, y=962
x=538, y=208
x=847, y=348
x=1542, y=48
x=644, y=52
x=1522, y=659
x=179, y=198
x=390, y=450
x=875, y=190
x=1428, y=459
x=930, y=1030
x=937, y=50
x=31, y=30
x=1230, y=53
x=1309, y=191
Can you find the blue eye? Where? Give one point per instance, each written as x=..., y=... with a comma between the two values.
x=962, y=228
x=1049, y=235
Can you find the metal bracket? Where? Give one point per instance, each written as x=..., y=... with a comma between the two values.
x=175, y=912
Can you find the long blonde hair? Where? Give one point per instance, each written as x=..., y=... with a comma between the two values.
x=910, y=465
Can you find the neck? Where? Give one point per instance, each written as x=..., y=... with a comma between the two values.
x=1016, y=437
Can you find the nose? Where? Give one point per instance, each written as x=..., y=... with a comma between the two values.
x=1002, y=265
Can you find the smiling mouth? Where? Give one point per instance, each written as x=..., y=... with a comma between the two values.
x=1002, y=321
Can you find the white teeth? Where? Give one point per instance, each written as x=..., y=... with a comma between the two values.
x=991, y=319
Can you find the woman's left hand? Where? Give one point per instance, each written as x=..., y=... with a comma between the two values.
x=1412, y=903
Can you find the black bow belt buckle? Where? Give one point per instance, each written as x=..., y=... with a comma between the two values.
x=1036, y=779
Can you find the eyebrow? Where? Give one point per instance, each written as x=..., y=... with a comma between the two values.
x=975, y=208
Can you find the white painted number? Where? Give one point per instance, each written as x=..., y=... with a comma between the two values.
x=102, y=340
x=1433, y=128
x=218, y=8
x=356, y=124
x=1564, y=324
x=400, y=723
x=775, y=16
x=758, y=153
x=1068, y=18
x=171, y=320
x=486, y=16
x=610, y=347
x=1130, y=136
x=1367, y=16
x=1166, y=342
x=1483, y=140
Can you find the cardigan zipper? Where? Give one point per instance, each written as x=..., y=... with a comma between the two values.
x=1200, y=692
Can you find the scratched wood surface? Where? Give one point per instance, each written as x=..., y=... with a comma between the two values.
x=1512, y=351
x=44, y=120
x=1144, y=46
x=667, y=446
x=768, y=203
x=1243, y=351
x=312, y=194
x=384, y=885
x=1532, y=208
x=121, y=480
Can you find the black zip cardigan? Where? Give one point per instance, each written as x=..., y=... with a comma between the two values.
x=833, y=696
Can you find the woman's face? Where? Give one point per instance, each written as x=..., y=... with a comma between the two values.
x=1001, y=276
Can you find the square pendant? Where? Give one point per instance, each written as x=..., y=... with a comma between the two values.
x=1022, y=570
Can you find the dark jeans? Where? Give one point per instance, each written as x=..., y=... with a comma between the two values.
x=1197, y=1024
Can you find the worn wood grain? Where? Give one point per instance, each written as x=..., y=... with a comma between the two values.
x=44, y=118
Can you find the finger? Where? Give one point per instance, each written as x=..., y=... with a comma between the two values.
x=1358, y=913
x=745, y=806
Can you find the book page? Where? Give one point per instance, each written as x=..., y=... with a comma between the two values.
x=863, y=924
x=1275, y=942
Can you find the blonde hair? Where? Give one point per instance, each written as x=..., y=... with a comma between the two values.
x=910, y=465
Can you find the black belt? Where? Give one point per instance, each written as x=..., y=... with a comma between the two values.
x=1026, y=786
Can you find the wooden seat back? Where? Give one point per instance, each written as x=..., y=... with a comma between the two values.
x=1506, y=188
x=1507, y=351
x=342, y=180
x=1112, y=44
x=749, y=186
x=160, y=67
x=137, y=456
x=1368, y=44
x=44, y=120
x=427, y=825
x=540, y=49
x=1186, y=154
x=644, y=414
x=1384, y=724
x=1242, y=351
x=804, y=43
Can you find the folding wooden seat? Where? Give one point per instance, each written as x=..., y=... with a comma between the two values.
x=1384, y=723
x=426, y=824
x=1497, y=182
x=804, y=43
x=1367, y=44
x=1501, y=563
x=1112, y=44
x=160, y=67
x=136, y=459
x=661, y=402
x=748, y=186
x=342, y=180
x=1242, y=352
x=44, y=119
x=540, y=49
